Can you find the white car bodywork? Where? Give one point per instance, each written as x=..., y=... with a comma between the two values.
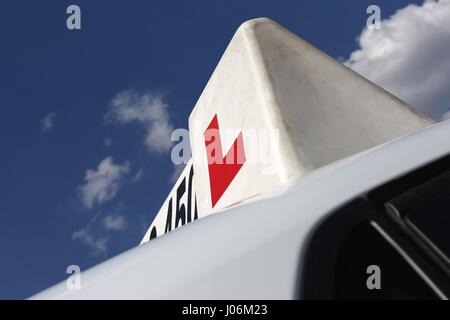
x=253, y=251
x=334, y=126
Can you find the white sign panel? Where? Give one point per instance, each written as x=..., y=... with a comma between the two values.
x=275, y=109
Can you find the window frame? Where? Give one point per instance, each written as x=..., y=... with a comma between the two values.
x=318, y=263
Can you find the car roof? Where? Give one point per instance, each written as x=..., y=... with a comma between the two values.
x=254, y=250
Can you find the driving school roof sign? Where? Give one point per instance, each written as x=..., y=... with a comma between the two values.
x=275, y=109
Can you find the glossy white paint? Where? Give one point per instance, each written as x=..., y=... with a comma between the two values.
x=253, y=251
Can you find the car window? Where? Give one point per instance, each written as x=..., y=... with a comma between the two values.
x=424, y=213
x=362, y=254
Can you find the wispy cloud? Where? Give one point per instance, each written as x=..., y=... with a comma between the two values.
x=98, y=245
x=114, y=222
x=409, y=56
x=95, y=234
x=103, y=183
x=47, y=123
x=138, y=176
x=108, y=142
x=147, y=109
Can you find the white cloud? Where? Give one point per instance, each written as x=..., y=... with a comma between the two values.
x=102, y=184
x=47, y=123
x=108, y=142
x=93, y=233
x=96, y=244
x=114, y=222
x=138, y=176
x=149, y=110
x=410, y=56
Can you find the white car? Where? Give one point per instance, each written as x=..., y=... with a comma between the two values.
x=351, y=202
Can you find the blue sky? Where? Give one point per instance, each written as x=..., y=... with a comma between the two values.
x=58, y=89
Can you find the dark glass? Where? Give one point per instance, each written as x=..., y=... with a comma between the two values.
x=364, y=246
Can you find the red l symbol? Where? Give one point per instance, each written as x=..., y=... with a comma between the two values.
x=222, y=170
